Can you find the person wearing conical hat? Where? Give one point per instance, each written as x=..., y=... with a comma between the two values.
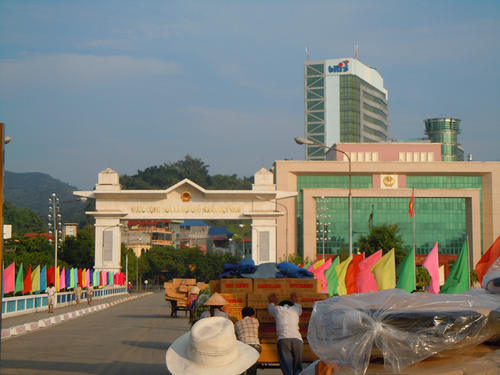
x=215, y=303
x=193, y=294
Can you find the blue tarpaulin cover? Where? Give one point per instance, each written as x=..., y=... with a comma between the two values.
x=247, y=269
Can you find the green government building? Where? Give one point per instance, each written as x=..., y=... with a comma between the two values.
x=453, y=201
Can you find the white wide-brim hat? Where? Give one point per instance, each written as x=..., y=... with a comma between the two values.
x=210, y=348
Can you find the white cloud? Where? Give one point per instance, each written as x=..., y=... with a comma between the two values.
x=71, y=71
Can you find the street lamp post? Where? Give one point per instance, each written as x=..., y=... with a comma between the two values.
x=55, y=225
x=243, y=239
x=55, y=222
x=323, y=223
x=302, y=141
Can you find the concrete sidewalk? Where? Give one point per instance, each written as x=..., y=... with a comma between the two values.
x=22, y=324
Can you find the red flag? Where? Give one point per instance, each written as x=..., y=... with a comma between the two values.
x=352, y=274
x=50, y=276
x=79, y=273
x=410, y=208
x=27, y=281
x=488, y=259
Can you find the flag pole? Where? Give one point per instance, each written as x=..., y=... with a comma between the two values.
x=414, y=255
x=413, y=210
x=468, y=260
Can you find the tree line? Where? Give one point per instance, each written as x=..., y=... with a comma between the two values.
x=167, y=174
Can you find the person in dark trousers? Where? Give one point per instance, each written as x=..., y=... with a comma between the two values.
x=286, y=314
x=247, y=331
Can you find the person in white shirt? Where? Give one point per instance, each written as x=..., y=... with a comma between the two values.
x=290, y=343
x=51, y=296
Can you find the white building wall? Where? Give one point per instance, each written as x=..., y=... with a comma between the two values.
x=332, y=109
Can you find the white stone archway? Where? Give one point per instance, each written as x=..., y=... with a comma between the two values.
x=184, y=200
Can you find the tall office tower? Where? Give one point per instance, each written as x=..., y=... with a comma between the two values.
x=345, y=101
x=445, y=130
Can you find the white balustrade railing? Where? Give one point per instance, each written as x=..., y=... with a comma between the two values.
x=12, y=306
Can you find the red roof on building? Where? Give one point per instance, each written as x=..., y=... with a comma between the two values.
x=34, y=235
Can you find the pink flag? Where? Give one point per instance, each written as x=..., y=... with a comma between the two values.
x=9, y=278
x=431, y=263
x=87, y=277
x=62, y=279
x=315, y=265
x=365, y=281
x=319, y=273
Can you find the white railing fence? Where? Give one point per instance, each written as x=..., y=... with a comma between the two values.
x=12, y=306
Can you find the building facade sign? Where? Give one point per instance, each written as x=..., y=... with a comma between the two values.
x=341, y=67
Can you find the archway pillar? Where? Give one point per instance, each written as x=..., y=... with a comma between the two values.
x=107, y=243
x=264, y=240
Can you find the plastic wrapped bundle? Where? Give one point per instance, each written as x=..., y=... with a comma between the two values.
x=406, y=328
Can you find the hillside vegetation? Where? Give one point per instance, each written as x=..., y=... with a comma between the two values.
x=23, y=191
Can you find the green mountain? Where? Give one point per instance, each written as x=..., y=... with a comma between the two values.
x=33, y=190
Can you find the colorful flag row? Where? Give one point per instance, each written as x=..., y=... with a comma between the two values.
x=37, y=280
x=358, y=274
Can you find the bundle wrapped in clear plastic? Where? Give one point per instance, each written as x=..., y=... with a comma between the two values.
x=405, y=328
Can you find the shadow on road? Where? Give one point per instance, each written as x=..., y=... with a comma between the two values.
x=149, y=344
x=50, y=367
x=141, y=316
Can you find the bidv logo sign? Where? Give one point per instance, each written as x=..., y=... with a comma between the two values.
x=341, y=67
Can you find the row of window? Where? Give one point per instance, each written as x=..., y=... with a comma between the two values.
x=316, y=128
x=315, y=69
x=316, y=105
x=349, y=93
x=416, y=156
x=376, y=110
x=315, y=82
x=375, y=121
x=315, y=116
x=352, y=116
x=373, y=98
x=376, y=133
x=349, y=105
x=436, y=219
x=363, y=156
x=315, y=93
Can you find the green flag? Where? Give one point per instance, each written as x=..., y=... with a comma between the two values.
x=19, y=280
x=331, y=278
x=406, y=272
x=458, y=279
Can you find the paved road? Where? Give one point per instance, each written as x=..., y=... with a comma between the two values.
x=129, y=338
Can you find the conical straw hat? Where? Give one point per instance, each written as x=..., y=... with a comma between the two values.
x=194, y=290
x=216, y=300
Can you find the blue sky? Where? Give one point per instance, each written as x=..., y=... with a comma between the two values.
x=87, y=85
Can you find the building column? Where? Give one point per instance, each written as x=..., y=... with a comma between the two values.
x=107, y=244
x=264, y=240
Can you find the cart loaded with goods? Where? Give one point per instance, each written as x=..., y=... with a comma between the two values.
x=241, y=292
x=177, y=292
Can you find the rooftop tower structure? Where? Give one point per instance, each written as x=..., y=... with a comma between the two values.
x=445, y=130
x=345, y=101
